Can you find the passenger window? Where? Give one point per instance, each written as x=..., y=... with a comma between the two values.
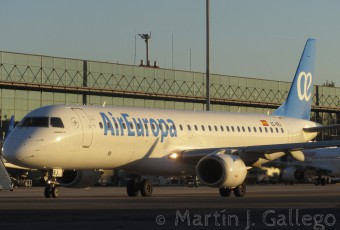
x=131, y=125
x=282, y=130
x=232, y=128
x=277, y=130
x=209, y=127
x=181, y=127
x=152, y=126
x=195, y=127
x=265, y=128
x=222, y=128
x=216, y=128
x=57, y=122
x=271, y=129
x=249, y=129
x=203, y=128
x=138, y=126
x=160, y=126
x=145, y=125
x=100, y=125
x=189, y=127
x=116, y=125
x=238, y=129
x=108, y=125
x=260, y=129
x=255, y=129
x=227, y=127
x=243, y=129
x=124, y=125
x=174, y=127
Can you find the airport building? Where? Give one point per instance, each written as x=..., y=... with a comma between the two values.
x=31, y=81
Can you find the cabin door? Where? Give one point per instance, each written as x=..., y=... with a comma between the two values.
x=86, y=127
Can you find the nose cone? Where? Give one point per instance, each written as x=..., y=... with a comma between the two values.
x=16, y=149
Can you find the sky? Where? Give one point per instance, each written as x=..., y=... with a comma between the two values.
x=259, y=39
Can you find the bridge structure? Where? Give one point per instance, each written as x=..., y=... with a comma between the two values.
x=30, y=81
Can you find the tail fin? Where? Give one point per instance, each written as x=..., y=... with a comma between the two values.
x=10, y=127
x=298, y=102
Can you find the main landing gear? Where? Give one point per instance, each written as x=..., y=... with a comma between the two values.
x=134, y=186
x=321, y=181
x=239, y=191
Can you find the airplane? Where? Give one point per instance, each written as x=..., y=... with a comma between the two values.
x=322, y=163
x=72, y=143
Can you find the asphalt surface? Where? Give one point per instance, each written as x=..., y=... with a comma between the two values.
x=264, y=207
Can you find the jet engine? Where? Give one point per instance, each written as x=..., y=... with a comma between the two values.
x=291, y=174
x=79, y=178
x=221, y=170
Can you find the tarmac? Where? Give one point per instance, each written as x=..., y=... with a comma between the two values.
x=263, y=207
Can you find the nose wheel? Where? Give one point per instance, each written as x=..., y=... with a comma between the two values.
x=51, y=191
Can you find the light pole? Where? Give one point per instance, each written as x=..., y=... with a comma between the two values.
x=146, y=38
x=208, y=56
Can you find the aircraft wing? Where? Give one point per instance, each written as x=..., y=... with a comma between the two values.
x=251, y=154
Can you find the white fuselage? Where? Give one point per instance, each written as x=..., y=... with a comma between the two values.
x=93, y=137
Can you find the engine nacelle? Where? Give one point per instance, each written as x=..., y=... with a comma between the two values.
x=221, y=170
x=291, y=174
x=79, y=178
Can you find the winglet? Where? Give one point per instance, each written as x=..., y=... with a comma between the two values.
x=298, y=103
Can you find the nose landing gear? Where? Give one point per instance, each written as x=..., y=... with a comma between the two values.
x=51, y=189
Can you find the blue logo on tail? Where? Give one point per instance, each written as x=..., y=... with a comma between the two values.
x=298, y=103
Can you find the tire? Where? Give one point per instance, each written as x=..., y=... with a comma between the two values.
x=323, y=181
x=146, y=188
x=132, y=188
x=55, y=192
x=47, y=192
x=240, y=191
x=225, y=192
x=317, y=181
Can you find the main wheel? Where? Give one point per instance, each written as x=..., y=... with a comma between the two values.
x=225, y=192
x=317, y=181
x=323, y=181
x=146, y=188
x=132, y=188
x=240, y=190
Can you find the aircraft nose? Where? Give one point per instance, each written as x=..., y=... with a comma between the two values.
x=16, y=149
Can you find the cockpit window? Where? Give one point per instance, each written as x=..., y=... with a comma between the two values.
x=34, y=122
x=57, y=122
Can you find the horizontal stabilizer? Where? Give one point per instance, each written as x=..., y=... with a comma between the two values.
x=321, y=128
